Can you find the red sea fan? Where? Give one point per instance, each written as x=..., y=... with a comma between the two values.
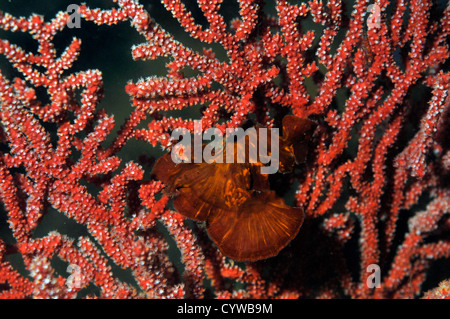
x=374, y=185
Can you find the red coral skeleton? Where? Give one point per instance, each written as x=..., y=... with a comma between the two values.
x=375, y=183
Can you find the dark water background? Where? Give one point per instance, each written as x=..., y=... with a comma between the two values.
x=108, y=49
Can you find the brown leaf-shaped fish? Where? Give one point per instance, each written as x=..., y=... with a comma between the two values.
x=297, y=133
x=245, y=219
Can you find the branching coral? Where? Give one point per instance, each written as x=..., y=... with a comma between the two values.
x=379, y=159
